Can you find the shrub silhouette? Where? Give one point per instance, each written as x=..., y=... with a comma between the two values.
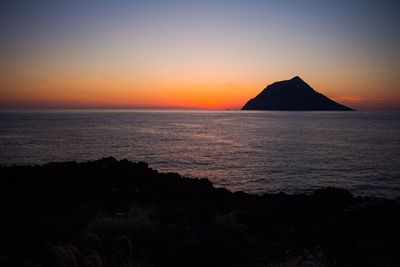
x=119, y=213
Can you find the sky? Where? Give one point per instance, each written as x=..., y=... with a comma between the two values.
x=195, y=54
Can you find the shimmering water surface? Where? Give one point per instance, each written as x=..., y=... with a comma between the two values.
x=241, y=150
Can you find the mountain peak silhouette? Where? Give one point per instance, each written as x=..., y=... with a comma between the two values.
x=294, y=94
x=297, y=78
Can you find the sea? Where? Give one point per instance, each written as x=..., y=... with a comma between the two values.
x=252, y=151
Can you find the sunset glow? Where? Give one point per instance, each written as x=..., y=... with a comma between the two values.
x=195, y=54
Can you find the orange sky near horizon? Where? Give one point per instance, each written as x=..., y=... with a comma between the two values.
x=130, y=94
x=229, y=92
x=196, y=55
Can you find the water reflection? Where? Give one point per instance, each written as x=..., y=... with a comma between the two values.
x=251, y=151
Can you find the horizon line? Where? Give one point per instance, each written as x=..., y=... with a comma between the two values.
x=26, y=109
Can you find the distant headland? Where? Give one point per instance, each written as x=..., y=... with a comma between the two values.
x=293, y=95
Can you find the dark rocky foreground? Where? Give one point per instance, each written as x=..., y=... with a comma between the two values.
x=119, y=213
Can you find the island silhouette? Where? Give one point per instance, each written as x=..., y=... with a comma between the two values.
x=292, y=95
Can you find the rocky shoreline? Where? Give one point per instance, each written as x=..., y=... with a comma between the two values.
x=120, y=213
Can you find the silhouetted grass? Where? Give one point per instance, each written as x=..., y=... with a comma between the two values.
x=118, y=213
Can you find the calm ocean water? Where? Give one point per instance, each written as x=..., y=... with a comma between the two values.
x=241, y=150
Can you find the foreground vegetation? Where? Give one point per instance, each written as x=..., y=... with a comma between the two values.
x=120, y=213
